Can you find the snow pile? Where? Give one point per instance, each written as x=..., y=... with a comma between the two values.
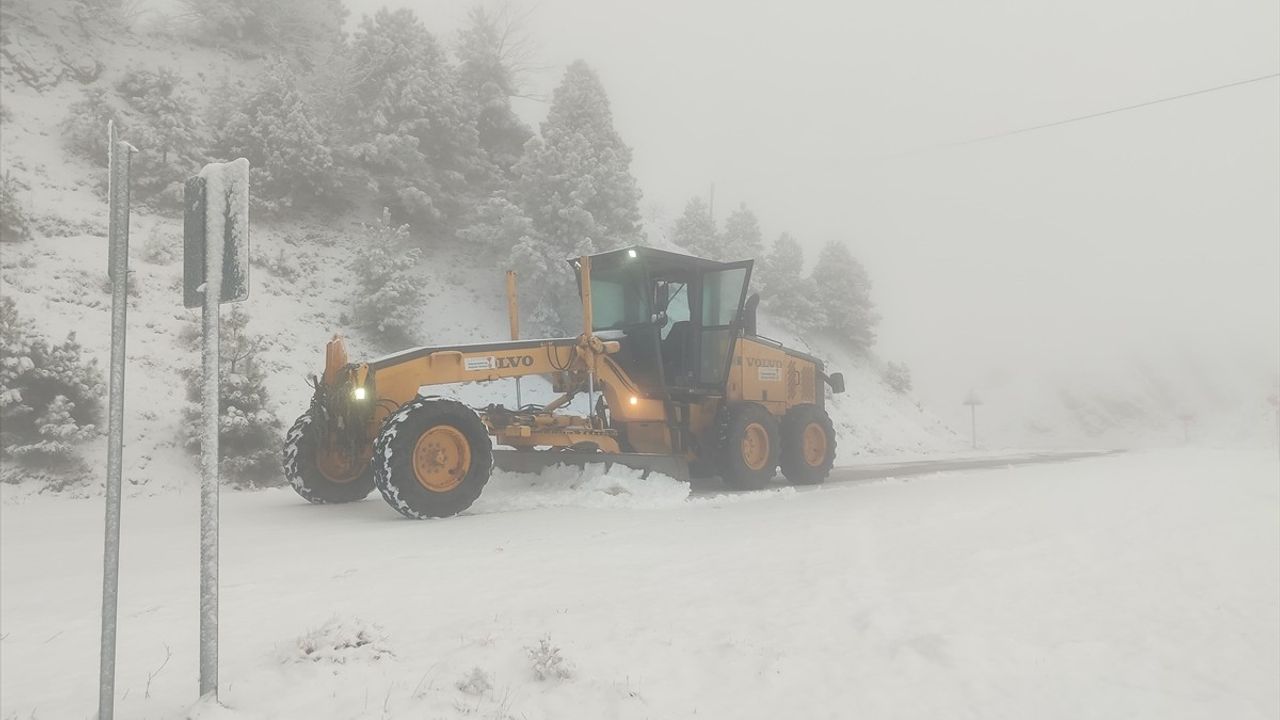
x=593, y=486
x=341, y=641
x=588, y=487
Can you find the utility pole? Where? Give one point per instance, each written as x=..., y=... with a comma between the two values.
x=711, y=204
x=973, y=401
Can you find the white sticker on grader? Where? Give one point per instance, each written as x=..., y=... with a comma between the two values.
x=473, y=364
x=769, y=374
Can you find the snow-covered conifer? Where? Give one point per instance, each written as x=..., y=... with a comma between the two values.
x=13, y=218
x=163, y=124
x=50, y=396
x=85, y=127
x=248, y=428
x=300, y=29
x=844, y=295
x=741, y=239
x=695, y=230
x=897, y=376
x=788, y=295
x=288, y=147
x=487, y=50
x=576, y=188
x=407, y=125
x=388, y=290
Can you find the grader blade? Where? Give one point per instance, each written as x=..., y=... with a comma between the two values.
x=535, y=461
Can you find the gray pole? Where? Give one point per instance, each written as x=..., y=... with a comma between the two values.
x=973, y=401
x=209, y=451
x=118, y=270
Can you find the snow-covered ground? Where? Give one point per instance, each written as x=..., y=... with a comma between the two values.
x=1144, y=585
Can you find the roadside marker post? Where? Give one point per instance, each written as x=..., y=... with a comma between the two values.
x=973, y=401
x=118, y=162
x=215, y=271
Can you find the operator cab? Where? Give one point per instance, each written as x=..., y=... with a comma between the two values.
x=676, y=316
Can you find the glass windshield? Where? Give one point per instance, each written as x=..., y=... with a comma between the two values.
x=618, y=297
x=721, y=293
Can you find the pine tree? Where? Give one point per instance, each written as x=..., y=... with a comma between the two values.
x=844, y=295
x=498, y=225
x=248, y=428
x=897, y=376
x=787, y=294
x=695, y=230
x=85, y=127
x=408, y=126
x=288, y=146
x=50, y=397
x=300, y=29
x=741, y=239
x=576, y=188
x=487, y=79
x=14, y=224
x=388, y=291
x=164, y=125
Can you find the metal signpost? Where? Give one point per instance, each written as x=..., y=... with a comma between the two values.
x=973, y=402
x=513, y=316
x=215, y=270
x=118, y=161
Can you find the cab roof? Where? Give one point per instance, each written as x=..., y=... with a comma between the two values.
x=660, y=260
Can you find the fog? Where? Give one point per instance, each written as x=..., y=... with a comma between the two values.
x=1155, y=230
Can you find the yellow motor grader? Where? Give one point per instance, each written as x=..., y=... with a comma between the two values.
x=676, y=380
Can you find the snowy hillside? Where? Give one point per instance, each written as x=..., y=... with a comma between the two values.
x=60, y=281
x=1158, y=396
x=302, y=292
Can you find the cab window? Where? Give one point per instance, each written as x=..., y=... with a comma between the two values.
x=677, y=306
x=618, y=298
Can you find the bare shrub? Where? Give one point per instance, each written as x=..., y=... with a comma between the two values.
x=546, y=661
x=476, y=682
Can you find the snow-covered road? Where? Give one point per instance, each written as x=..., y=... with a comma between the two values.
x=1142, y=585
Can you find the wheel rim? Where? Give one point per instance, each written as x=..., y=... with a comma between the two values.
x=814, y=444
x=441, y=458
x=755, y=446
x=337, y=466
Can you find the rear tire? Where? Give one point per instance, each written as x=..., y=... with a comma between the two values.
x=432, y=458
x=749, y=446
x=808, y=445
x=301, y=445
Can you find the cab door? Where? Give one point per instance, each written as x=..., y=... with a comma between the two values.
x=719, y=305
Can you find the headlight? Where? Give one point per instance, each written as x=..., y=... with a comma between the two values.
x=359, y=393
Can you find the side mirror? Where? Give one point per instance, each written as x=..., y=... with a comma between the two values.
x=836, y=381
x=749, y=314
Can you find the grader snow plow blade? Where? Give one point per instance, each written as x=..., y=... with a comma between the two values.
x=534, y=461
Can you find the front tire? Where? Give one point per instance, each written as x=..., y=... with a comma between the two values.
x=322, y=477
x=808, y=445
x=748, y=446
x=432, y=458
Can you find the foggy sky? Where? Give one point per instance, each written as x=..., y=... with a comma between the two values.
x=1157, y=226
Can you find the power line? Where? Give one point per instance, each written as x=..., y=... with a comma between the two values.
x=1080, y=118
